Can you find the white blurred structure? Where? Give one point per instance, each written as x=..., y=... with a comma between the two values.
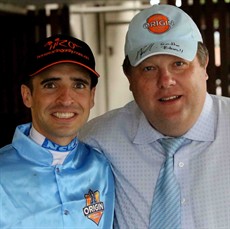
x=104, y=29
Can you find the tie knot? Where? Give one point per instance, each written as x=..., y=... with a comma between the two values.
x=171, y=145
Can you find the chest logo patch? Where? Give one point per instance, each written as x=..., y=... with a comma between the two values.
x=94, y=207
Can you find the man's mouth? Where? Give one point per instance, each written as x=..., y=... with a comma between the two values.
x=64, y=114
x=170, y=98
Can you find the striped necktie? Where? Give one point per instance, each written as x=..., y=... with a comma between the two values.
x=166, y=211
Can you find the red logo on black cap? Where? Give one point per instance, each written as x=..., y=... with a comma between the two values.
x=61, y=43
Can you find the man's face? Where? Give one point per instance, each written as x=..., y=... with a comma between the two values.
x=60, y=101
x=170, y=91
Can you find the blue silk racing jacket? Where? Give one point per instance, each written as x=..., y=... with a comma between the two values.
x=34, y=194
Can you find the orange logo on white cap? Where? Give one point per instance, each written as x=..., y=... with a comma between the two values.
x=158, y=23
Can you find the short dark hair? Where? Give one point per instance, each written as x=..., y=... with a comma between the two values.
x=202, y=55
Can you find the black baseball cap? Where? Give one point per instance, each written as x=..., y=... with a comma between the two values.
x=61, y=49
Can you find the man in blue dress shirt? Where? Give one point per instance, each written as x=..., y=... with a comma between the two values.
x=165, y=63
x=48, y=178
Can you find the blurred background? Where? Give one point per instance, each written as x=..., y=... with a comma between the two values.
x=103, y=25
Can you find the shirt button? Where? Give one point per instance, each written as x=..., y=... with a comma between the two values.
x=66, y=212
x=181, y=164
x=183, y=201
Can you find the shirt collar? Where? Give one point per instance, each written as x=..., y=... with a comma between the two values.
x=145, y=133
x=28, y=149
x=31, y=150
x=52, y=146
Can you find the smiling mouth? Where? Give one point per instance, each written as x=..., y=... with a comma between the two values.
x=64, y=115
x=170, y=98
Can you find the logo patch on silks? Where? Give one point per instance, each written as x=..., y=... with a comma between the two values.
x=94, y=208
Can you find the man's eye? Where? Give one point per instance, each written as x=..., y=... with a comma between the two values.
x=80, y=85
x=49, y=85
x=179, y=63
x=148, y=68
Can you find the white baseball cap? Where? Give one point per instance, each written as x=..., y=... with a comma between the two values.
x=161, y=29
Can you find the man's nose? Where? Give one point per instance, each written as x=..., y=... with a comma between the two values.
x=165, y=79
x=65, y=96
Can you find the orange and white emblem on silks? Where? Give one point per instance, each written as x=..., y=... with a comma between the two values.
x=158, y=24
x=94, y=208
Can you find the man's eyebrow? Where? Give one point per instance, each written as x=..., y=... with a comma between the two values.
x=49, y=79
x=85, y=81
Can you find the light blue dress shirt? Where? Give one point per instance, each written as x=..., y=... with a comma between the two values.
x=202, y=165
x=78, y=194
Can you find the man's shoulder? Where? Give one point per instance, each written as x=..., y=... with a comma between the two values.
x=93, y=154
x=127, y=113
x=222, y=102
x=7, y=155
x=220, y=98
x=90, y=149
x=114, y=120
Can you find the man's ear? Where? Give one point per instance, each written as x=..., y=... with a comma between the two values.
x=26, y=96
x=129, y=79
x=93, y=90
x=206, y=65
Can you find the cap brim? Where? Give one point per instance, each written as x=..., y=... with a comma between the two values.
x=64, y=61
x=184, y=49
